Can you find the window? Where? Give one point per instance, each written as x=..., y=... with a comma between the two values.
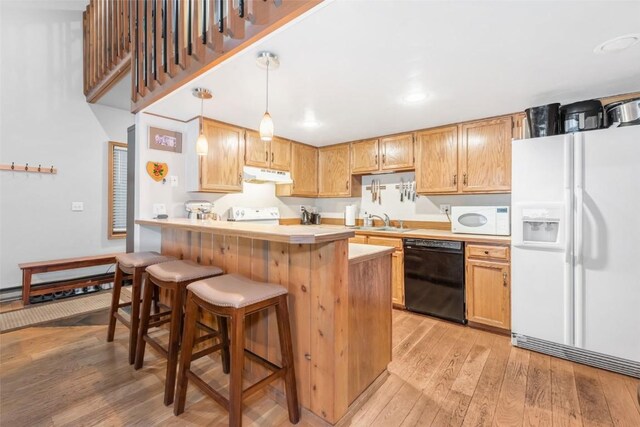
x=117, y=227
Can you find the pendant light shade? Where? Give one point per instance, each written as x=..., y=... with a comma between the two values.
x=202, y=145
x=267, y=60
x=266, y=127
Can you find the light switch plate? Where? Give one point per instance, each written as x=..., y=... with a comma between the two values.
x=173, y=179
x=77, y=206
x=159, y=209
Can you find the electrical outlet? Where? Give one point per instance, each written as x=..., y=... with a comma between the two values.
x=445, y=209
x=159, y=209
x=173, y=179
x=302, y=208
x=77, y=206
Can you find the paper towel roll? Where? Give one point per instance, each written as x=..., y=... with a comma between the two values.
x=350, y=216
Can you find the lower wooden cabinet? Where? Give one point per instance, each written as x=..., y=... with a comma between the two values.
x=397, y=278
x=488, y=286
x=397, y=263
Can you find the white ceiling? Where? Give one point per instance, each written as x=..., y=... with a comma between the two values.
x=348, y=65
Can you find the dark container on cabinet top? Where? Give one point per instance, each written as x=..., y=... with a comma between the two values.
x=543, y=120
x=583, y=115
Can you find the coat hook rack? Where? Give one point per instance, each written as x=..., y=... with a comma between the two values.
x=26, y=168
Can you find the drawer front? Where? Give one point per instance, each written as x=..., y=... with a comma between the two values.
x=385, y=241
x=488, y=252
x=358, y=239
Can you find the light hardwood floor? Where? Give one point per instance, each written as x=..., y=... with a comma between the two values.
x=441, y=374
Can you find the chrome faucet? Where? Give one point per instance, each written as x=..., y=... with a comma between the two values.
x=386, y=220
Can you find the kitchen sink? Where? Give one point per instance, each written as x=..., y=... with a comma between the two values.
x=390, y=229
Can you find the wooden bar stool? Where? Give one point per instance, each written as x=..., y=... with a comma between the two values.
x=130, y=266
x=235, y=296
x=173, y=276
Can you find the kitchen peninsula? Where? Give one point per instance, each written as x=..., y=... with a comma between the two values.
x=339, y=296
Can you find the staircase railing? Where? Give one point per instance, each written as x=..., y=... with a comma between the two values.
x=166, y=43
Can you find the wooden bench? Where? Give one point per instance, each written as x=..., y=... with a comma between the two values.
x=31, y=268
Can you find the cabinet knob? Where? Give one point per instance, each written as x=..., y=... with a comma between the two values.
x=376, y=160
x=384, y=158
x=504, y=279
x=240, y=178
x=486, y=252
x=347, y=185
x=266, y=156
x=464, y=179
x=272, y=156
x=455, y=179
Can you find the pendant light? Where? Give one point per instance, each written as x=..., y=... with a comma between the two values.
x=202, y=145
x=267, y=60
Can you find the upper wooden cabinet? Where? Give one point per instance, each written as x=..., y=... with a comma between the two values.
x=365, y=156
x=304, y=172
x=334, y=173
x=437, y=161
x=485, y=156
x=275, y=154
x=397, y=152
x=221, y=168
x=392, y=153
x=280, y=154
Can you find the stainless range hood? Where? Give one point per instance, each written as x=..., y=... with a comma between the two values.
x=260, y=176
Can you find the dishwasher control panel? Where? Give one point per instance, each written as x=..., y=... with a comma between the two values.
x=435, y=244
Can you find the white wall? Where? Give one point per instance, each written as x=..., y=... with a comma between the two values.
x=45, y=119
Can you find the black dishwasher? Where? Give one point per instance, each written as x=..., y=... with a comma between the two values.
x=434, y=278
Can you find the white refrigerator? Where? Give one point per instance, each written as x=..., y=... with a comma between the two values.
x=576, y=247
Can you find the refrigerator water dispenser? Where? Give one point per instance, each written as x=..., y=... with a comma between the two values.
x=539, y=225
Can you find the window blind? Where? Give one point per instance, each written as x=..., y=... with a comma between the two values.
x=119, y=213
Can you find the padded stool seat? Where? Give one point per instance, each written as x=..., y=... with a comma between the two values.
x=182, y=271
x=233, y=290
x=142, y=259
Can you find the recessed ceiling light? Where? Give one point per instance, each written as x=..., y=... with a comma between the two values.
x=311, y=123
x=414, y=98
x=617, y=44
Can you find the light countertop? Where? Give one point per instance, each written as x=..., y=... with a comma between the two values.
x=359, y=252
x=295, y=234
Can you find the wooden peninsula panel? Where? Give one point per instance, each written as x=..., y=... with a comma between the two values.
x=333, y=305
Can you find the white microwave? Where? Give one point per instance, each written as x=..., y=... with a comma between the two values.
x=491, y=220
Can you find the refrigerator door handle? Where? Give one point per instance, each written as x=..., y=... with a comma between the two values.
x=568, y=242
x=578, y=274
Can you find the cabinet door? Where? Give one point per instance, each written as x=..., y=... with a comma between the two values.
x=304, y=170
x=437, y=161
x=485, y=157
x=397, y=152
x=488, y=293
x=221, y=168
x=257, y=151
x=334, y=177
x=281, y=154
x=397, y=278
x=364, y=156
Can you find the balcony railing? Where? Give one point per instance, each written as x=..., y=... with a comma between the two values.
x=166, y=43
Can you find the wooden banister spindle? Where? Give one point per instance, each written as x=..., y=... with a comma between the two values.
x=197, y=49
x=182, y=30
x=160, y=41
x=170, y=38
x=140, y=47
x=150, y=54
x=257, y=12
x=214, y=37
x=235, y=24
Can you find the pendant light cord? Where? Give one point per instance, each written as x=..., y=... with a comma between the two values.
x=267, y=85
x=201, y=115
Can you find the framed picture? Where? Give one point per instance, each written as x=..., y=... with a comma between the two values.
x=166, y=140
